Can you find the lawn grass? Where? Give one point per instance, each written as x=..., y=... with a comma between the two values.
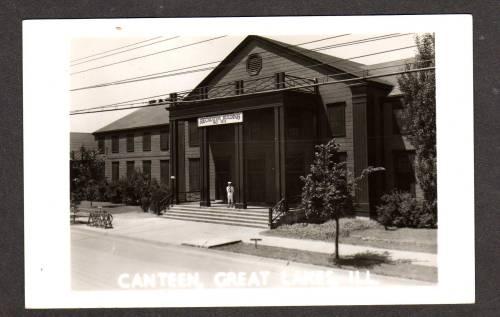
x=111, y=207
x=364, y=232
x=377, y=263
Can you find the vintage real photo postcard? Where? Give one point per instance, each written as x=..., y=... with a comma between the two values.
x=248, y=161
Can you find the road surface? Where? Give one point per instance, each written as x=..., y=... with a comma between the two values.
x=105, y=262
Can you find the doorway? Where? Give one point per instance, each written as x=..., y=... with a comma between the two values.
x=222, y=176
x=222, y=148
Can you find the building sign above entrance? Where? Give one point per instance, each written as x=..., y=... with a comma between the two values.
x=220, y=119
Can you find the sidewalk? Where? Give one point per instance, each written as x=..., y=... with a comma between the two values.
x=158, y=230
x=418, y=258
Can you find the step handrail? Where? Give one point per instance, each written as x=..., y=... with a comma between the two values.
x=277, y=211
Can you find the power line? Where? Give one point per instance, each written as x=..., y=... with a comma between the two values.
x=131, y=49
x=147, y=55
x=153, y=76
x=355, y=57
x=115, y=49
x=188, y=67
x=288, y=72
x=326, y=80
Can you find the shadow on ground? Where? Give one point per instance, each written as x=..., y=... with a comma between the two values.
x=365, y=260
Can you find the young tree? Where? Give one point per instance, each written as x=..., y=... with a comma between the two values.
x=328, y=188
x=87, y=171
x=419, y=98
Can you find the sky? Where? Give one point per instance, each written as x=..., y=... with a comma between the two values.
x=209, y=51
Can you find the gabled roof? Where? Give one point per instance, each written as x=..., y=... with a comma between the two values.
x=143, y=117
x=322, y=60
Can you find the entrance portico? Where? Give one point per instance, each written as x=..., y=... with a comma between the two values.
x=250, y=152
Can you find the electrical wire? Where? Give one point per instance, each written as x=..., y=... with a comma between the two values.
x=289, y=71
x=131, y=49
x=115, y=49
x=148, y=55
x=227, y=83
x=326, y=81
x=153, y=76
x=188, y=67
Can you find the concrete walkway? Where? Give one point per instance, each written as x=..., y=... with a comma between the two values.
x=154, y=229
x=419, y=258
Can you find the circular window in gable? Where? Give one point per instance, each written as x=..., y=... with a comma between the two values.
x=254, y=64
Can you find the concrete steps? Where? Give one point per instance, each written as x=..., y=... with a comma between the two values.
x=253, y=217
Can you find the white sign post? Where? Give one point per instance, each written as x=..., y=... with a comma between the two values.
x=220, y=119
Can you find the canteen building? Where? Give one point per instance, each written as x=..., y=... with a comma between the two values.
x=255, y=119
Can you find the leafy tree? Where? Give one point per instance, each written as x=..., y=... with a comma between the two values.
x=328, y=188
x=86, y=173
x=419, y=98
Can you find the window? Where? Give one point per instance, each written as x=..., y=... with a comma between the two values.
x=404, y=171
x=254, y=64
x=146, y=142
x=164, y=136
x=239, y=87
x=115, y=171
x=194, y=175
x=130, y=168
x=115, y=144
x=336, y=117
x=130, y=143
x=146, y=169
x=194, y=134
x=164, y=172
x=100, y=144
x=398, y=125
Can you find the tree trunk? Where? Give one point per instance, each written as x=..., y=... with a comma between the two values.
x=337, y=238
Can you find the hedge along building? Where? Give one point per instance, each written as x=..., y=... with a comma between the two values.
x=244, y=124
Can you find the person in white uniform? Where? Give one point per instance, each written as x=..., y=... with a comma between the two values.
x=230, y=193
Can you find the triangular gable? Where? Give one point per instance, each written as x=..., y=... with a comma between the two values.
x=326, y=62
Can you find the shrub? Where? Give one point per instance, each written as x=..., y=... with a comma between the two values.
x=114, y=193
x=159, y=197
x=139, y=190
x=401, y=209
x=134, y=189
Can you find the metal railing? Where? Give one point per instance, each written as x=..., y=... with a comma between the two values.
x=276, y=212
x=261, y=84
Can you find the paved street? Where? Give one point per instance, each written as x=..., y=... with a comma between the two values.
x=103, y=262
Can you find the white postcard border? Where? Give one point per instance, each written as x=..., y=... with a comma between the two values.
x=46, y=148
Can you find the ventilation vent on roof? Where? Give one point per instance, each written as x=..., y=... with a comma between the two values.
x=254, y=64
